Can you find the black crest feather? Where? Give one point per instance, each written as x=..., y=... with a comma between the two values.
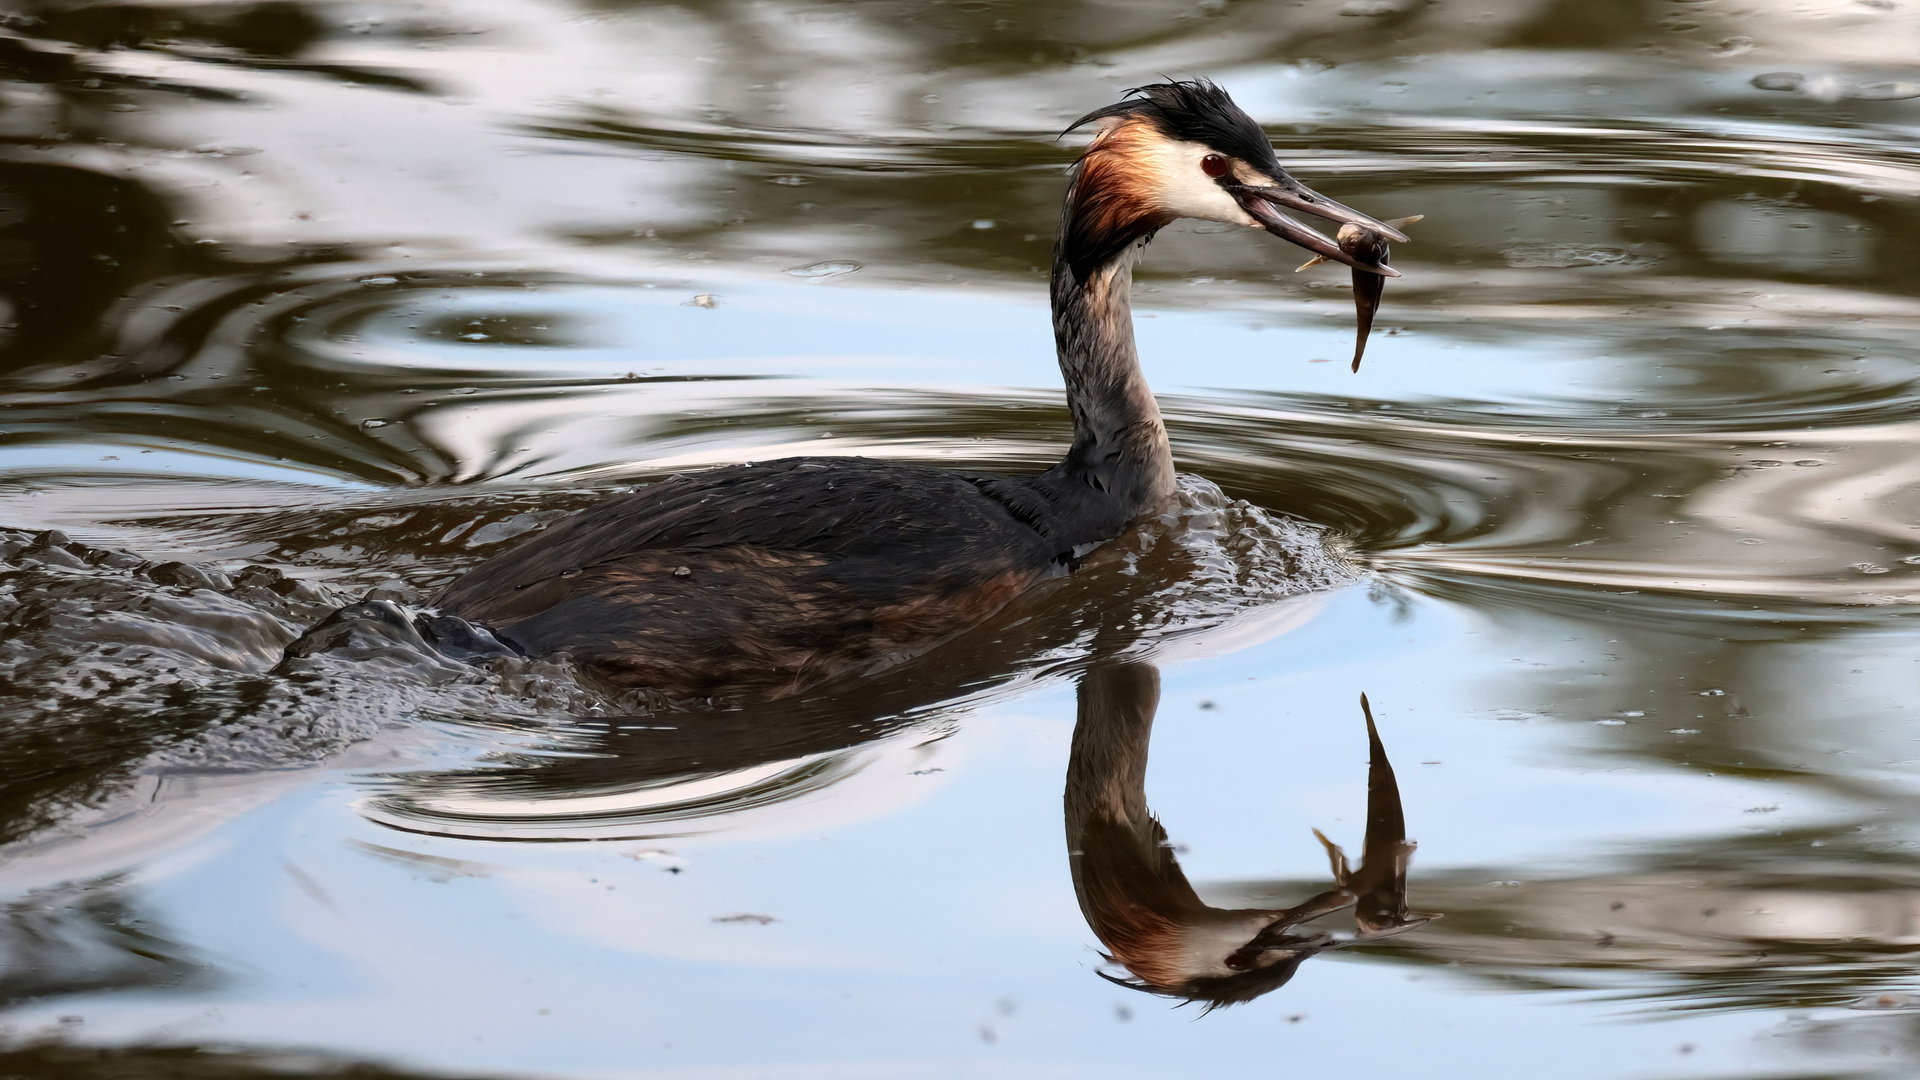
x=1198, y=111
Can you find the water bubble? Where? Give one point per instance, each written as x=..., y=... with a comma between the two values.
x=375, y=422
x=1833, y=88
x=1712, y=692
x=1565, y=256
x=1611, y=722
x=832, y=268
x=705, y=300
x=984, y=223
x=1885, y=91
x=381, y=279
x=1809, y=463
x=1767, y=463
x=1826, y=88
x=1869, y=568
x=788, y=181
x=1684, y=731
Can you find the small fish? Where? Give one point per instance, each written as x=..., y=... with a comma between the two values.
x=1365, y=244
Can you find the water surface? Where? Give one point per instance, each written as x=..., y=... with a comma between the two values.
x=1616, y=528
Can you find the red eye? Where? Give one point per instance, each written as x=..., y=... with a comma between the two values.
x=1214, y=165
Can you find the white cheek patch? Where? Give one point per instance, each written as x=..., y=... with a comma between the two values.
x=1182, y=189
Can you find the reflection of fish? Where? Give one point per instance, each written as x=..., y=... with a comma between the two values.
x=1138, y=901
x=1365, y=245
x=1380, y=885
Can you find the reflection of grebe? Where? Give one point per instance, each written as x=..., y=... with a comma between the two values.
x=1138, y=901
x=760, y=579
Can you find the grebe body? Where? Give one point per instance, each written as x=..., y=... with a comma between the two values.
x=755, y=580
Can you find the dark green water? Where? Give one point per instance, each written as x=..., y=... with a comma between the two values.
x=1617, y=527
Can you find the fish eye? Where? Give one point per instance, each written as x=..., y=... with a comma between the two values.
x=1214, y=165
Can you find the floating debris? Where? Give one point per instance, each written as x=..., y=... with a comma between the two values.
x=820, y=271
x=1887, y=1002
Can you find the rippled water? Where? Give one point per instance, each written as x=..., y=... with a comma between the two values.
x=1617, y=529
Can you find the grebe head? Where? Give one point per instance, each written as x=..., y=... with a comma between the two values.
x=1219, y=957
x=1185, y=150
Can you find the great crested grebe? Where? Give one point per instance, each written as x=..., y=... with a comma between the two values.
x=760, y=580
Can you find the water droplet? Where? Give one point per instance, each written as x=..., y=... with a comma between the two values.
x=375, y=422
x=1684, y=731
x=984, y=223
x=1869, y=568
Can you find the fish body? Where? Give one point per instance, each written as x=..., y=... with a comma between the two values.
x=1364, y=243
x=1370, y=246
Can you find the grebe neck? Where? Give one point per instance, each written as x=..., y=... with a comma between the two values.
x=1119, y=442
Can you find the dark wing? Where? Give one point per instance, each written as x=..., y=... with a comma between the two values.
x=767, y=575
x=848, y=510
